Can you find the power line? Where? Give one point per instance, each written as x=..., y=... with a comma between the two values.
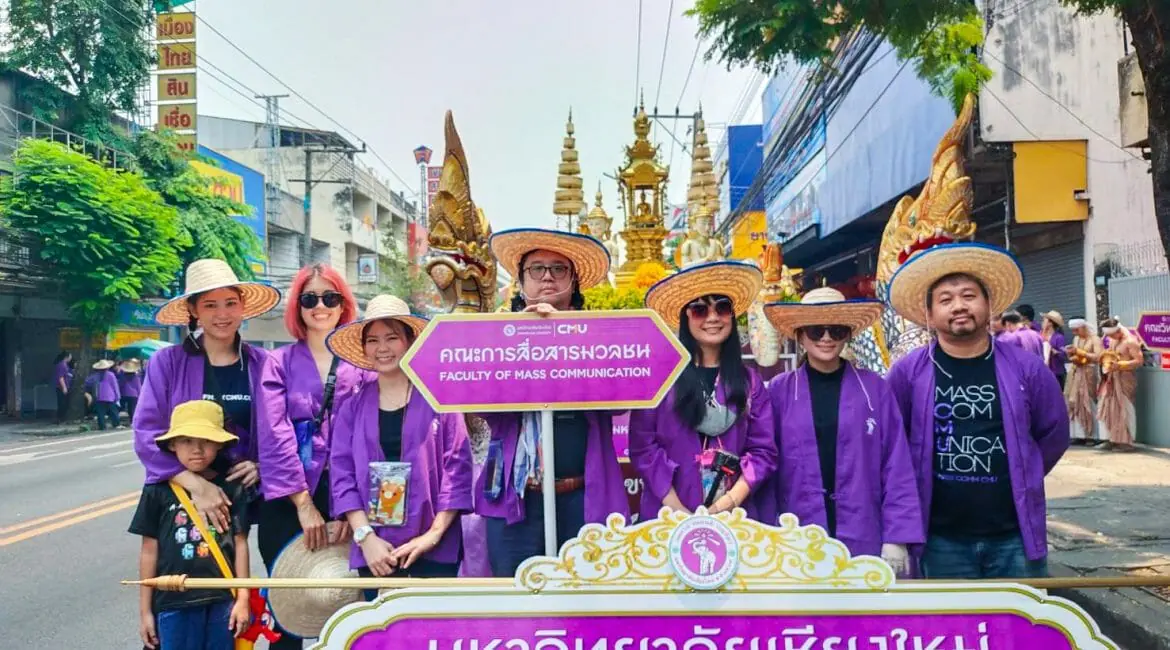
x=1040, y=140
x=638, y=65
x=665, y=46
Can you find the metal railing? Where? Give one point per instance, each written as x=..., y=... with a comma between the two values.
x=16, y=126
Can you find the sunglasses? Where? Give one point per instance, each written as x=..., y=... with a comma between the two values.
x=699, y=309
x=330, y=299
x=836, y=332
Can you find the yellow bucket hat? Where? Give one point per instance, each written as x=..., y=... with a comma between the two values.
x=202, y=419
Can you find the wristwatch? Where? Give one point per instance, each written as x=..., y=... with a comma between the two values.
x=362, y=533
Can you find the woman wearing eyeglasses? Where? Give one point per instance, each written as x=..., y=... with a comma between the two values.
x=710, y=442
x=844, y=460
x=298, y=406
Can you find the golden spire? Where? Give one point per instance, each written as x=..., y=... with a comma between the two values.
x=598, y=212
x=570, y=200
x=703, y=193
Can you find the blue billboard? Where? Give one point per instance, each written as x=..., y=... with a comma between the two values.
x=745, y=155
x=245, y=185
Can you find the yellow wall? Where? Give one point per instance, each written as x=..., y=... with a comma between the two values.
x=748, y=236
x=1047, y=176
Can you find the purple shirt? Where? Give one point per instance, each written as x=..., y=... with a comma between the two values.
x=104, y=386
x=875, y=492
x=62, y=371
x=129, y=383
x=1058, y=357
x=665, y=450
x=291, y=390
x=1026, y=338
x=439, y=453
x=605, y=487
x=1035, y=423
x=173, y=377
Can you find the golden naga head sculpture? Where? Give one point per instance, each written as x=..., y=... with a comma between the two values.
x=779, y=280
x=941, y=213
x=461, y=266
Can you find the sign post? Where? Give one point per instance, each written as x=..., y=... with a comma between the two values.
x=478, y=363
x=1154, y=328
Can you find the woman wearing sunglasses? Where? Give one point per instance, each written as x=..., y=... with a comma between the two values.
x=710, y=442
x=844, y=460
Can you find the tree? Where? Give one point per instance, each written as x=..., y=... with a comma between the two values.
x=105, y=235
x=205, y=217
x=937, y=36
x=398, y=276
x=97, y=49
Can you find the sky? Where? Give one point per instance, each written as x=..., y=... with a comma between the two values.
x=387, y=70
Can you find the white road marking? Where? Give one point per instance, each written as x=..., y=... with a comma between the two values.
x=16, y=459
x=127, y=463
x=69, y=439
x=113, y=453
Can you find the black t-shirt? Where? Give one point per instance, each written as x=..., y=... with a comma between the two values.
x=571, y=435
x=231, y=388
x=825, y=390
x=390, y=433
x=972, y=495
x=181, y=547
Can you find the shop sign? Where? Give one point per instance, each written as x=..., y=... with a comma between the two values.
x=1154, y=328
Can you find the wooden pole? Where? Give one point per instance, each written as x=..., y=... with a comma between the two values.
x=183, y=583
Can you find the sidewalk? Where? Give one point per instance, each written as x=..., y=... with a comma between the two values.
x=1109, y=514
x=44, y=428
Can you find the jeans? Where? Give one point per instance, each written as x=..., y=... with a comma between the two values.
x=128, y=405
x=62, y=404
x=196, y=628
x=106, y=410
x=976, y=559
x=509, y=545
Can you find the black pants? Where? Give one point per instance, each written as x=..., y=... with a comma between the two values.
x=510, y=544
x=1061, y=378
x=107, y=410
x=62, y=404
x=420, y=569
x=128, y=405
x=276, y=526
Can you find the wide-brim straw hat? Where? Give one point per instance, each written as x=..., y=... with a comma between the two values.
x=131, y=365
x=104, y=364
x=739, y=281
x=588, y=255
x=996, y=268
x=202, y=419
x=303, y=612
x=346, y=342
x=209, y=275
x=1055, y=317
x=823, y=306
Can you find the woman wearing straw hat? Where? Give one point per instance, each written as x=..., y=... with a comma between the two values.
x=130, y=384
x=710, y=442
x=386, y=434
x=106, y=394
x=1052, y=331
x=298, y=390
x=552, y=269
x=844, y=461
x=212, y=363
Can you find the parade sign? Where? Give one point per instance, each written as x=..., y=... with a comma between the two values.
x=723, y=582
x=525, y=362
x=1154, y=328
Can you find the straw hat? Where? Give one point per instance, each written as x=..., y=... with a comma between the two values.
x=201, y=419
x=588, y=255
x=995, y=267
x=131, y=365
x=346, y=342
x=739, y=281
x=1055, y=317
x=303, y=612
x=104, y=364
x=209, y=275
x=823, y=306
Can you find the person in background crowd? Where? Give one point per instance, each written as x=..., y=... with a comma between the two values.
x=1116, y=415
x=553, y=268
x=1080, y=390
x=410, y=527
x=106, y=395
x=1052, y=333
x=985, y=419
x=213, y=363
x=996, y=327
x=296, y=382
x=1018, y=332
x=1028, y=313
x=711, y=441
x=62, y=380
x=861, y=488
x=130, y=384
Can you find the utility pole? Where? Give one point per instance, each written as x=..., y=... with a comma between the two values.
x=272, y=168
x=307, y=204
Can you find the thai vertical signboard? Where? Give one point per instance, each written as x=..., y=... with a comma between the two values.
x=175, y=87
x=433, y=174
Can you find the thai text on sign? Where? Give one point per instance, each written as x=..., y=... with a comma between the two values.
x=1154, y=329
x=177, y=117
x=175, y=26
x=176, y=56
x=176, y=86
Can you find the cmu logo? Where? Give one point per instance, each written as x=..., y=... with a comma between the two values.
x=567, y=328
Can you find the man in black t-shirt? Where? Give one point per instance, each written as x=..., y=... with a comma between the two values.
x=174, y=544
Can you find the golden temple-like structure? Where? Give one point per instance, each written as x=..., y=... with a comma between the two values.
x=570, y=199
x=701, y=244
x=642, y=182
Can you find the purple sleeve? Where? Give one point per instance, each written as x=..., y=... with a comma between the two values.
x=901, y=507
x=1049, y=417
x=903, y=392
x=1057, y=342
x=760, y=455
x=647, y=455
x=342, y=474
x=152, y=418
x=456, y=471
x=117, y=388
x=279, y=463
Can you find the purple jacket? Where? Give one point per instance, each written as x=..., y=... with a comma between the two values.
x=605, y=487
x=175, y=376
x=875, y=492
x=1027, y=339
x=104, y=386
x=130, y=384
x=1058, y=357
x=439, y=453
x=664, y=450
x=1035, y=423
x=61, y=370
x=291, y=389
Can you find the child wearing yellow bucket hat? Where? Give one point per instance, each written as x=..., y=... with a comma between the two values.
x=177, y=541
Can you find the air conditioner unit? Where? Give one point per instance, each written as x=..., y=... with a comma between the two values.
x=1135, y=124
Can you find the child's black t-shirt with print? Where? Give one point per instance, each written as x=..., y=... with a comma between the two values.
x=181, y=547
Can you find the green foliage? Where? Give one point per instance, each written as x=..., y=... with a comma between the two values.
x=97, y=49
x=206, y=218
x=940, y=36
x=107, y=236
x=604, y=297
x=397, y=276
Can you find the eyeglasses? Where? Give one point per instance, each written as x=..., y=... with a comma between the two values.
x=836, y=332
x=331, y=299
x=700, y=309
x=538, y=271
